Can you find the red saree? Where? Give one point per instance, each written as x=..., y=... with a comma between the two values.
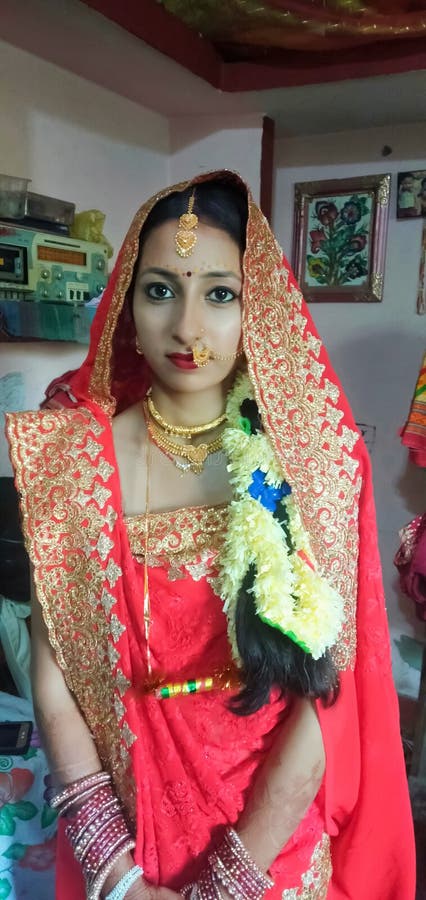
x=183, y=766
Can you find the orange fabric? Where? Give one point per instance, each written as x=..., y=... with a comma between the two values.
x=182, y=798
x=413, y=434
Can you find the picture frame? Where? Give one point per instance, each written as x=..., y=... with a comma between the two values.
x=411, y=195
x=339, y=238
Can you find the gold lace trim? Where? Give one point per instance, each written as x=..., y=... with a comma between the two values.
x=68, y=522
x=316, y=881
x=182, y=537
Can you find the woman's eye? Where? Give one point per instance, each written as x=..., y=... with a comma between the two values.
x=221, y=295
x=158, y=291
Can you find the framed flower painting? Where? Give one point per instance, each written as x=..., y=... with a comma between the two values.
x=339, y=240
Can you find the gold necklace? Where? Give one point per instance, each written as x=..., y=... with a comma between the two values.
x=194, y=455
x=182, y=430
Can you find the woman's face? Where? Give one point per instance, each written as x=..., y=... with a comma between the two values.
x=177, y=302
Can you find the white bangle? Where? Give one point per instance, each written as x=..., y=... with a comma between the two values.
x=122, y=886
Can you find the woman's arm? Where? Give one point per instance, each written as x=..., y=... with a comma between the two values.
x=67, y=741
x=286, y=786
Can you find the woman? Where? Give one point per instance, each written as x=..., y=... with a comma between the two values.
x=226, y=662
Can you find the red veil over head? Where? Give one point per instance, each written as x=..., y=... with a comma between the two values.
x=303, y=408
x=314, y=437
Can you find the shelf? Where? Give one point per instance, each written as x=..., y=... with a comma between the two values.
x=30, y=320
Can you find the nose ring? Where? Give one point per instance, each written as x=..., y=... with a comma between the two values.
x=200, y=352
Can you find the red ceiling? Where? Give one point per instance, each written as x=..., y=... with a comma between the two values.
x=245, y=46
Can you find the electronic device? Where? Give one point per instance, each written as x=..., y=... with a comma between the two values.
x=15, y=738
x=41, y=266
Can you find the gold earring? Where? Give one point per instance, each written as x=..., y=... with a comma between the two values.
x=138, y=347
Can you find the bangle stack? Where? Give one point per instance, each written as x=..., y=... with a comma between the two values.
x=230, y=867
x=96, y=829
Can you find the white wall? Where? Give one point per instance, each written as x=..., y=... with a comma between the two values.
x=82, y=143
x=376, y=348
x=205, y=143
x=78, y=141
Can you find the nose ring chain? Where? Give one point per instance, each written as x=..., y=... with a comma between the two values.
x=202, y=353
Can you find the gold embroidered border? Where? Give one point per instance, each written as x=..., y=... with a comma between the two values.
x=316, y=881
x=177, y=537
x=69, y=535
x=300, y=413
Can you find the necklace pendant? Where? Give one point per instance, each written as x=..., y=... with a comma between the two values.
x=183, y=466
x=199, y=454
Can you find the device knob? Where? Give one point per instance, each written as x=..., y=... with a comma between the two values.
x=44, y=273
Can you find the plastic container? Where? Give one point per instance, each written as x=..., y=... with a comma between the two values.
x=48, y=209
x=13, y=194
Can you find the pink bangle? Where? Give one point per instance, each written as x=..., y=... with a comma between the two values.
x=93, y=840
x=95, y=886
x=74, y=790
x=78, y=800
x=81, y=830
x=87, y=811
x=104, y=843
x=233, y=867
x=96, y=827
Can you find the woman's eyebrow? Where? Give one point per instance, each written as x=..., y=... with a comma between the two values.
x=168, y=273
x=155, y=270
x=221, y=275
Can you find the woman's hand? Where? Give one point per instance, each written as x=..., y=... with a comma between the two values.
x=141, y=890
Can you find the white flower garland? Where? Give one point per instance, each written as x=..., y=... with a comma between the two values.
x=288, y=590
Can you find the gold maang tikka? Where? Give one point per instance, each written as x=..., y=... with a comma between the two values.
x=186, y=239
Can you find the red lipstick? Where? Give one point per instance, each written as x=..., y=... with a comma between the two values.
x=182, y=360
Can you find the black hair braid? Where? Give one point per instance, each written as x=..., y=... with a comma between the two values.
x=270, y=658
